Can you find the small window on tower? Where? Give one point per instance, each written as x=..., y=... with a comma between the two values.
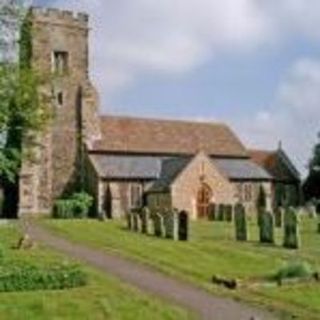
x=60, y=62
x=60, y=99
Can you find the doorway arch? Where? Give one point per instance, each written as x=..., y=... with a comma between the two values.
x=204, y=197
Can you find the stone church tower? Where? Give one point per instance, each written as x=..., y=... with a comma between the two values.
x=60, y=53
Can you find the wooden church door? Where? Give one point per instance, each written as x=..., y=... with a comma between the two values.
x=203, y=201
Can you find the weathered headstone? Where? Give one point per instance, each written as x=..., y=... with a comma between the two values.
x=129, y=220
x=135, y=221
x=221, y=212
x=291, y=229
x=183, y=230
x=311, y=211
x=266, y=227
x=171, y=225
x=240, y=222
x=140, y=221
x=212, y=212
x=228, y=213
x=158, y=224
x=278, y=217
x=145, y=220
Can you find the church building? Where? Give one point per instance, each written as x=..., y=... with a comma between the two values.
x=134, y=162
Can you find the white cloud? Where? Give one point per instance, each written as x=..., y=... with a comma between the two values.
x=294, y=116
x=131, y=38
x=168, y=36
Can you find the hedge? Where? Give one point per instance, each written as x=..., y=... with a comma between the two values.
x=32, y=278
x=76, y=207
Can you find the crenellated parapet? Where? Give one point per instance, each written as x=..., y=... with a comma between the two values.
x=70, y=18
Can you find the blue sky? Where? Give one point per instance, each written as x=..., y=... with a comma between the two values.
x=252, y=64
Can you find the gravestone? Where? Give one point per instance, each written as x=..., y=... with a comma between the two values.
x=140, y=221
x=158, y=225
x=183, y=230
x=135, y=221
x=291, y=229
x=266, y=227
x=129, y=220
x=212, y=212
x=240, y=220
x=171, y=225
x=311, y=211
x=278, y=217
x=221, y=212
x=145, y=221
x=228, y=213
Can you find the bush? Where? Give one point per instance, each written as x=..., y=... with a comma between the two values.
x=76, y=207
x=294, y=270
x=32, y=278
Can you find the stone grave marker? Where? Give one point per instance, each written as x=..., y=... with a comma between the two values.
x=240, y=220
x=266, y=227
x=228, y=210
x=291, y=229
x=183, y=230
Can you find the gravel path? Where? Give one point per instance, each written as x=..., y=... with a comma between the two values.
x=149, y=280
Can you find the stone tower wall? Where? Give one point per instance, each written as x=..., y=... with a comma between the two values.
x=55, y=171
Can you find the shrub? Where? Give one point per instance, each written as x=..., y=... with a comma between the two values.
x=294, y=270
x=31, y=278
x=63, y=209
x=76, y=207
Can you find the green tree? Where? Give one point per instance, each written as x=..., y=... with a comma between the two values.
x=23, y=109
x=311, y=187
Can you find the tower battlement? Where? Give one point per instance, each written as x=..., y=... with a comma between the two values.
x=79, y=19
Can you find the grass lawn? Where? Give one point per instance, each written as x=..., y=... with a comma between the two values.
x=102, y=298
x=212, y=250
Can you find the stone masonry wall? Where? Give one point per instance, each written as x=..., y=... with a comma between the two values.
x=251, y=203
x=56, y=169
x=186, y=187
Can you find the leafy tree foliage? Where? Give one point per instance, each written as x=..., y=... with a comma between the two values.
x=311, y=187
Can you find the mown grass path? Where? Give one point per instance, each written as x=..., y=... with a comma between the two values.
x=204, y=304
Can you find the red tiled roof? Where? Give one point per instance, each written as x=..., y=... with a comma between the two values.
x=148, y=136
x=276, y=163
